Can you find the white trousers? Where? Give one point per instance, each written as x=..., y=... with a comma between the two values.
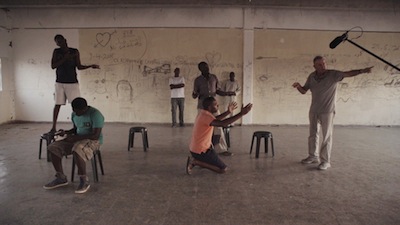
x=324, y=123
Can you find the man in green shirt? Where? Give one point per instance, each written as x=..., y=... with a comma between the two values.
x=81, y=141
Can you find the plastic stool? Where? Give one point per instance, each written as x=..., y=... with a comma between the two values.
x=49, y=138
x=262, y=134
x=145, y=139
x=96, y=157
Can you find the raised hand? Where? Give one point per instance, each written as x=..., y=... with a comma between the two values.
x=366, y=70
x=246, y=109
x=296, y=84
x=232, y=106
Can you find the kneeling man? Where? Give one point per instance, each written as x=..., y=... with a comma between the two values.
x=201, y=148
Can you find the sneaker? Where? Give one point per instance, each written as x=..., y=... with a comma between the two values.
x=324, y=166
x=83, y=186
x=58, y=182
x=310, y=160
x=189, y=165
x=226, y=153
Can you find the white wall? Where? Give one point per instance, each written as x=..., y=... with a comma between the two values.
x=34, y=29
x=7, y=97
x=34, y=78
x=7, y=110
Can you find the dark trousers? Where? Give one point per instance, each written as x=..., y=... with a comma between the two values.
x=177, y=103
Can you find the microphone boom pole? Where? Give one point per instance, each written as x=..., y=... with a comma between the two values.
x=372, y=54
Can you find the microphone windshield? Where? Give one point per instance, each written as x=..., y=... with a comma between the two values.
x=338, y=40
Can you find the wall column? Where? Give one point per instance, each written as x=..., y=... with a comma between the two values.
x=248, y=56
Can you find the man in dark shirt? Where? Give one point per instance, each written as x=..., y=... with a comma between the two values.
x=65, y=60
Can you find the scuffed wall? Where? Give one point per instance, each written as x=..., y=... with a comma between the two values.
x=34, y=29
x=7, y=89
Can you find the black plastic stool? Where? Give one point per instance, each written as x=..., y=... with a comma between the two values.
x=96, y=157
x=266, y=135
x=145, y=139
x=49, y=138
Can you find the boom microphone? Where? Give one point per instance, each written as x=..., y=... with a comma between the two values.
x=338, y=40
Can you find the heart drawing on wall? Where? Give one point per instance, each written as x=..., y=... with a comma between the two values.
x=213, y=58
x=103, y=38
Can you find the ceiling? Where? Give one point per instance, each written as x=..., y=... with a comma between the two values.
x=324, y=4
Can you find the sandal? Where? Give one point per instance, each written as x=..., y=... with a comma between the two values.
x=189, y=165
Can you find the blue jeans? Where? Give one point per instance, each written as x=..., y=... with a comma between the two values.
x=177, y=102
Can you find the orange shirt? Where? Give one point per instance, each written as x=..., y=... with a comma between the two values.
x=202, y=132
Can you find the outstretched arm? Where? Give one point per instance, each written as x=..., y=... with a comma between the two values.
x=226, y=122
x=300, y=88
x=232, y=106
x=353, y=73
x=83, y=67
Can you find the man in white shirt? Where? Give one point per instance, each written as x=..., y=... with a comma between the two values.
x=232, y=89
x=177, y=85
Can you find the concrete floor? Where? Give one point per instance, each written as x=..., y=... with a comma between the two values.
x=362, y=187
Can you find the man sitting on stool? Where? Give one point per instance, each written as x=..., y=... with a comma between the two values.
x=81, y=141
x=201, y=148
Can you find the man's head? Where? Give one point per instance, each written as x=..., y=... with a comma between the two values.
x=210, y=104
x=177, y=71
x=60, y=40
x=79, y=106
x=203, y=67
x=319, y=64
x=232, y=76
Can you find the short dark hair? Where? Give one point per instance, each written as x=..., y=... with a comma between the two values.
x=318, y=57
x=58, y=36
x=79, y=103
x=201, y=64
x=207, y=102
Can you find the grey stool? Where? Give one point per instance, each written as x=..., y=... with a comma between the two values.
x=96, y=157
x=145, y=139
x=49, y=138
x=262, y=134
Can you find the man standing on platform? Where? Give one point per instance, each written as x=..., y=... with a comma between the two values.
x=65, y=60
